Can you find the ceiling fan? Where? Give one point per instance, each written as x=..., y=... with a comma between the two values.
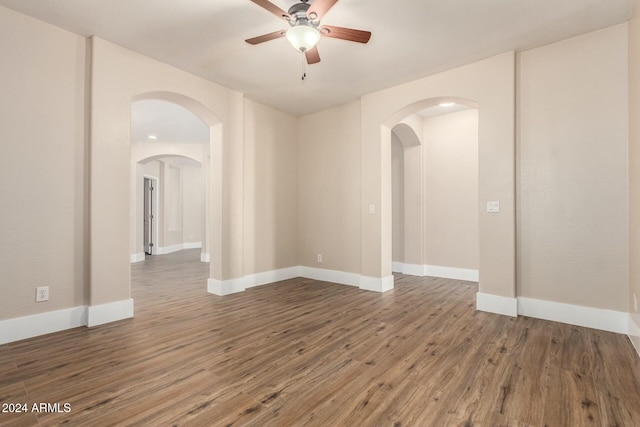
x=305, y=29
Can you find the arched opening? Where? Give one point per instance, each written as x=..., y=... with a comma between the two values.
x=169, y=210
x=172, y=180
x=434, y=174
x=488, y=86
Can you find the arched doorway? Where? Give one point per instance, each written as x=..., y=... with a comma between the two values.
x=434, y=173
x=169, y=207
x=174, y=143
x=491, y=84
x=168, y=139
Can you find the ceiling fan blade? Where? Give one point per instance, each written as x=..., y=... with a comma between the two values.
x=266, y=4
x=350, y=34
x=313, y=57
x=318, y=9
x=266, y=37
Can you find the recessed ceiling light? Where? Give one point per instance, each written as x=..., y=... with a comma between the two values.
x=447, y=104
x=152, y=137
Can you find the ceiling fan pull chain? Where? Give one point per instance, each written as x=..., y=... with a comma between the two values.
x=304, y=68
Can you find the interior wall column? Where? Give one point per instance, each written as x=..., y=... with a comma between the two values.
x=413, y=210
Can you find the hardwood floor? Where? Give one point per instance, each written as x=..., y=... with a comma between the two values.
x=303, y=352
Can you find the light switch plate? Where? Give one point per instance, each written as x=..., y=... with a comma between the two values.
x=493, y=207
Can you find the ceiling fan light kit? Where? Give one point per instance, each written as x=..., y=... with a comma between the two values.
x=303, y=37
x=305, y=30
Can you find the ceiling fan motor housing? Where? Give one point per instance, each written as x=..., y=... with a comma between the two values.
x=299, y=14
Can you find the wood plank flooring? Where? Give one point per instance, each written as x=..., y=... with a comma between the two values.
x=303, y=352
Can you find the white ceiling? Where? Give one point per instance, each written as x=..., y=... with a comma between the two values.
x=411, y=39
x=440, y=109
x=162, y=121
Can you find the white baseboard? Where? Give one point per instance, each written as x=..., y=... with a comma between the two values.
x=376, y=284
x=163, y=250
x=204, y=257
x=455, y=273
x=267, y=277
x=452, y=273
x=634, y=332
x=596, y=318
x=414, y=269
x=333, y=276
x=396, y=267
x=225, y=287
x=110, y=312
x=139, y=257
x=21, y=328
x=169, y=250
x=497, y=304
x=192, y=245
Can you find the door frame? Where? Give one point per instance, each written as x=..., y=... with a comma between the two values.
x=154, y=211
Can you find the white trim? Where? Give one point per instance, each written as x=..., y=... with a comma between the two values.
x=597, y=318
x=396, y=267
x=452, y=273
x=634, y=332
x=137, y=257
x=164, y=250
x=21, y=328
x=110, y=312
x=414, y=269
x=333, y=276
x=419, y=270
x=225, y=287
x=231, y=286
x=376, y=284
x=268, y=277
x=497, y=304
x=204, y=257
x=192, y=245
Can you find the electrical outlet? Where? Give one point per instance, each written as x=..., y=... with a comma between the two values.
x=42, y=293
x=319, y=257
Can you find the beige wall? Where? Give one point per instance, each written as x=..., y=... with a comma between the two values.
x=192, y=203
x=120, y=77
x=450, y=159
x=43, y=173
x=329, y=188
x=435, y=193
x=634, y=167
x=572, y=172
x=397, y=196
x=489, y=83
x=270, y=189
x=414, y=203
